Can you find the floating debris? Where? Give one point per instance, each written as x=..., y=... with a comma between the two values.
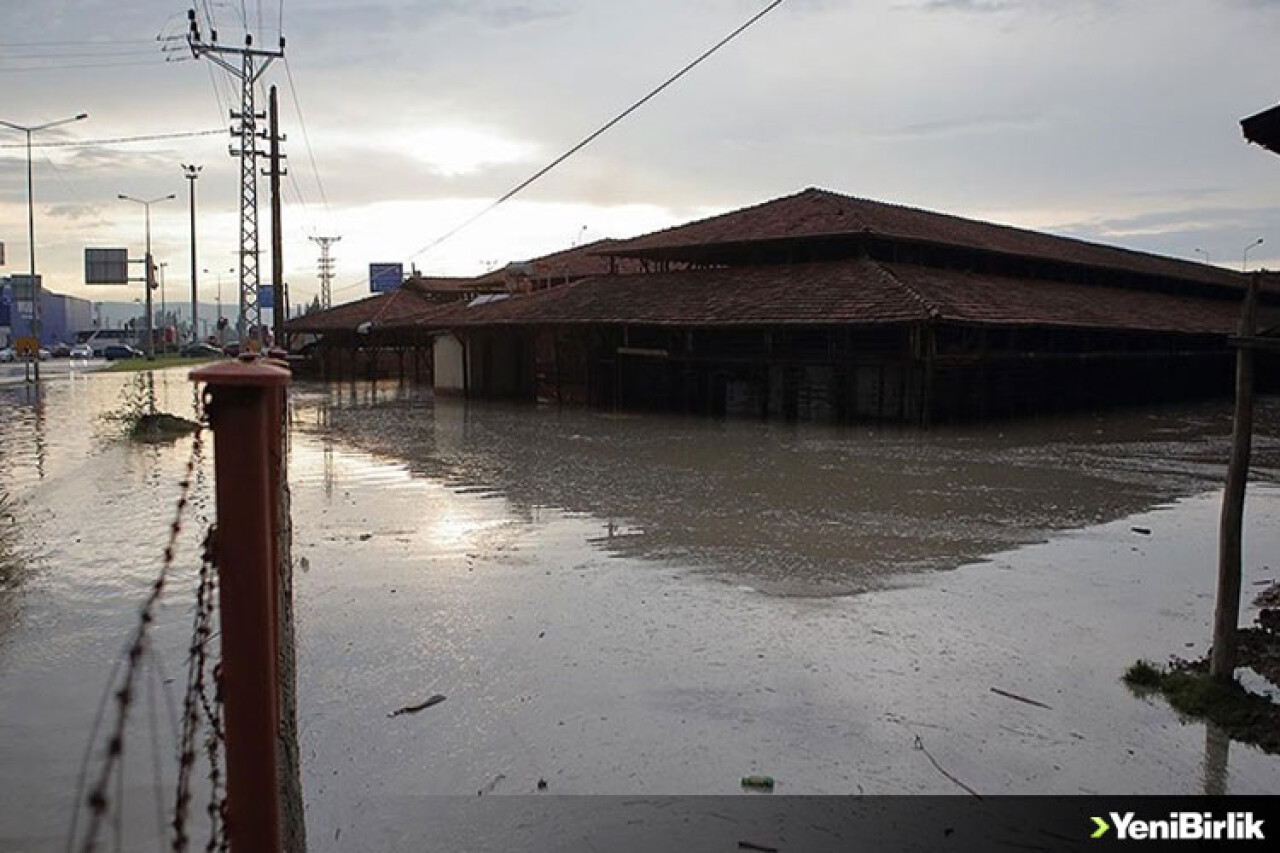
x=413, y=709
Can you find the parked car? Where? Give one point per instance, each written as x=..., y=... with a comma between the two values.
x=201, y=350
x=82, y=351
x=232, y=349
x=10, y=354
x=113, y=352
x=60, y=350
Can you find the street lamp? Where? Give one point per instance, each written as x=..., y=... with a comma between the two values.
x=191, y=173
x=1206, y=255
x=1244, y=258
x=31, y=224
x=230, y=270
x=150, y=276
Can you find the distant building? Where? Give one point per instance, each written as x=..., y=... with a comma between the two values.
x=61, y=317
x=819, y=307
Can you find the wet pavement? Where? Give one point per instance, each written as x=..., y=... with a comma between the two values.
x=645, y=605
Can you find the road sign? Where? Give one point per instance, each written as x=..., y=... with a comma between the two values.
x=27, y=346
x=385, y=277
x=266, y=296
x=106, y=266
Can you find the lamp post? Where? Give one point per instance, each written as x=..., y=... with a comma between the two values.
x=31, y=224
x=191, y=173
x=1206, y=255
x=219, y=277
x=1244, y=257
x=150, y=276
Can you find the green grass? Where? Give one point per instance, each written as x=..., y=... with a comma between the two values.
x=1193, y=693
x=1143, y=674
x=134, y=365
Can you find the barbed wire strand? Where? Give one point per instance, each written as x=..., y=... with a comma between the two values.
x=98, y=801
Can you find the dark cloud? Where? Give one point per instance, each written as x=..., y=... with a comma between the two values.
x=74, y=212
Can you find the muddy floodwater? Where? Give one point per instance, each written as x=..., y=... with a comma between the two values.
x=639, y=604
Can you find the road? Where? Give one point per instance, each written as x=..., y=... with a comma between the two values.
x=15, y=373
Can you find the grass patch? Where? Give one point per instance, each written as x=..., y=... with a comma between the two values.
x=1143, y=674
x=1189, y=690
x=134, y=365
x=161, y=426
x=138, y=417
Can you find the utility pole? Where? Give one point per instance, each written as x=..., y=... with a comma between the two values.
x=1226, y=613
x=326, y=269
x=280, y=299
x=253, y=62
x=191, y=173
x=31, y=227
x=149, y=278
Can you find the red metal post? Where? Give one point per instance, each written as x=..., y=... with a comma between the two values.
x=243, y=398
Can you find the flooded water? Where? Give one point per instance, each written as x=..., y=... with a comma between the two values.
x=644, y=605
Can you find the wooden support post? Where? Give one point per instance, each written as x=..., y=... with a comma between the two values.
x=929, y=341
x=242, y=398
x=1226, y=614
x=293, y=829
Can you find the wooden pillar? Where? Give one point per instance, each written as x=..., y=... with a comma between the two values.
x=929, y=343
x=1226, y=615
x=243, y=396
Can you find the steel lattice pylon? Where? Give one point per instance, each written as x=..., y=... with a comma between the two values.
x=326, y=269
x=250, y=317
x=253, y=61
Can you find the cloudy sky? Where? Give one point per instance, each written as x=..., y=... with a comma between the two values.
x=1114, y=120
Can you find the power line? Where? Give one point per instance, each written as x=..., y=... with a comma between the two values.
x=306, y=137
x=80, y=54
x=523, y=185
x=92, y=65
x=112, y=43
x=116, y=140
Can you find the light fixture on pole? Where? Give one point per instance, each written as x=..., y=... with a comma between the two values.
x=1207, y=260
x=31, y=224
x=149, y=278
x=218, y=274
x=191, y=173
x=1244, y=257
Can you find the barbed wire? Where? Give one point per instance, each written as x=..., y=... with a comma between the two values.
x=98, y=800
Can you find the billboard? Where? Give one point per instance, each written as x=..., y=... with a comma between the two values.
x=106, y=266
x=385, y=277
x=266, y=296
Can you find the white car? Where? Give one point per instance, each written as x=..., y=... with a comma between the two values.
x=6, y=354
x=82, y=351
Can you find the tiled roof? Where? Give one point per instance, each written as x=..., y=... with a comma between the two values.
x=849, y=292
x=397, y=308
x=852, y=292
x=816, y=213
x=993, y=300
x=578, y=262
x=440, y=284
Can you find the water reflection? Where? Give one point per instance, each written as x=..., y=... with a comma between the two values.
x=1217, y=754
x=801, y=510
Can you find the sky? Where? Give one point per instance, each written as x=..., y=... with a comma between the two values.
x=1110, y=120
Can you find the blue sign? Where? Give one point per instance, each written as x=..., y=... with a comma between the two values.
x=266, y=296
x=385, y=277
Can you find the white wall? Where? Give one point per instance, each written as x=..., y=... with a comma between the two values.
x=447, y=355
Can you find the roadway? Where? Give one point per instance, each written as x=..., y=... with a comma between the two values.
x=14, y=373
